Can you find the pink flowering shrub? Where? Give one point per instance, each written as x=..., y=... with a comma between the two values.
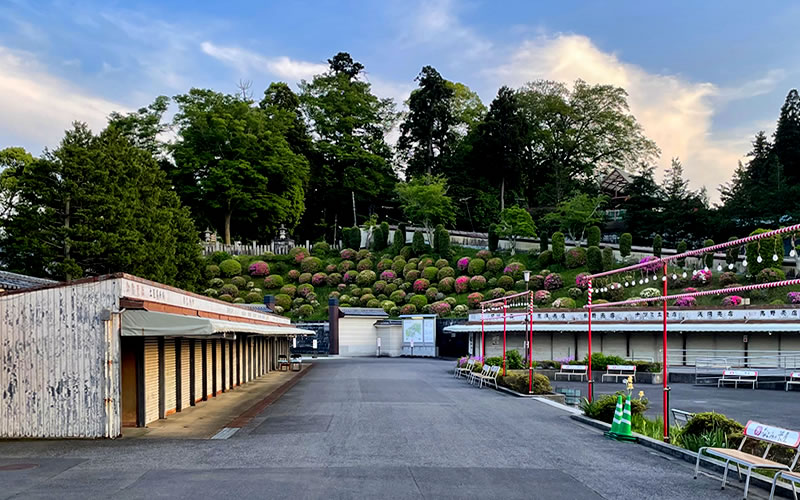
x=689, y=290
x=348, y=254
x=793, y=297
x=477, y=283
x=421, y=285
x=462, y=283
x=654, y=265
x=463, y=264
x=388, y=275
x=474, y=300
x=258, y=268
x=541, y=297
x=496, y=293
x=293, y=275
x=582, y=281
x=305, y=290
x=702, y=277
x=442, y=308
x=484, y=254
x=334, y=279
x=553, y=281
x=318, y=279
x=446, y=285
x=350, y=276
x=514, y=269
x=685, y=302
x=299, y=256
x=732, y=301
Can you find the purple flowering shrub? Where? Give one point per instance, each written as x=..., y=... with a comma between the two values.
x=258, y=268
x=732, y=301
x=685, y=302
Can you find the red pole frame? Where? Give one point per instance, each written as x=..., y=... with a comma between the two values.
x=664, y=363
x=530, y=343
x=483, y=337
x=589, y=305
x=505, y=306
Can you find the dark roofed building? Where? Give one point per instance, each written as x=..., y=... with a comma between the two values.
x=15, y=281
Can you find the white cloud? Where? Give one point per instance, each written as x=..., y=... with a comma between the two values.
x=246, y=62
x=674, y=112
x=38, y=107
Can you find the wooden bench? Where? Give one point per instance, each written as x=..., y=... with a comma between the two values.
x=464, y=370
x=572, y=370
x=617, y=371
x=681, y=417
x=794, y=379
x=738, y=376
x=759, y=432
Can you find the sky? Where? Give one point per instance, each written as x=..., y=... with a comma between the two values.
x=702, y=77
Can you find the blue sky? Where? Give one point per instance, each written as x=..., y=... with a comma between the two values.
x=702, y=77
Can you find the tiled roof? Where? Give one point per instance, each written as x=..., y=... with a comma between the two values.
x=372, y=312
x=14, y=281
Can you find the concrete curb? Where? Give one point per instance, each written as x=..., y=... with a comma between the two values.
x=758, y=480
x=257, y=408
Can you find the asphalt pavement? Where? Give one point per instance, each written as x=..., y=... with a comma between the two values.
x=367, y=428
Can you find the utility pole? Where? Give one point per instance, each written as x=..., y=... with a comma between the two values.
x=353, y=194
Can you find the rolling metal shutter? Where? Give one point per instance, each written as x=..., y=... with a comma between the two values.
x=218, y=371
x=185, y=372
x=150, y=380
x=209, y=373
x=198, y=371
x=169, y=376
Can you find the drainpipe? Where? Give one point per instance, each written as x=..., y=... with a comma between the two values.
x=333, y=319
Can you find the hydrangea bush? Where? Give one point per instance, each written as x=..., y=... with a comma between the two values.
x=462, y=284
x=732, y=301
x=564, y=303
x=463, y=264
x=553, y=281
x=793, y=297
x=474, y=300
x=653, y=263
x=685, y=302
x=541, y=297
x=477, y=283
x=258, y=268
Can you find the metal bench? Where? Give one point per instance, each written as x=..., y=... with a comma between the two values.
x=758, y=432
x=490, y=377
x=794, y=379
x=792, y=477
x=473, y=376
x=296, y=363
x=572, y=370
x=737, y=377
x=617, y=371
x=283, y=362
x=681, y=417
x=464, y=370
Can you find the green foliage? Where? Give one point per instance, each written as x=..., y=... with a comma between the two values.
x=441, y=241
x=253, y=298
x=545, y=258
x=703, y=426
x=230, y=267
x=430, y=273
x=625, y=243
x=575, y=257
x=766, y=248
x=514, y=360
x=494, y=361
x=384, y=243
x=399, y=239
x=603, y=407
x=229, y=289
x=594, y=260
x=424, y=201
x=657, y=243
x=708, y=258
x=494, y=238
x=476, y=266
x=418, y=243
x=311, y=265
x=515, y=222
x=212, y=271
x=593, y=237
x=378, y=240
x=418, y=301
x=574, y=215
x=682, y=247
x=320, y=249
x=608, y=258
x=239, y=281
x=559, y=246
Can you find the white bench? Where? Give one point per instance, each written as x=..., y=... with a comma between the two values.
x=474, y=375
x=464, y=370
x=737, y=377
x=572, y=370
x=794, y=379
x=490, y=377
x=617, y=371
x=792, y=477
x=759, y=432
x=681, y=417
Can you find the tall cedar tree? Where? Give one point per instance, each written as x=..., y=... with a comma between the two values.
x=426, y=134
x=98, y=205
x=352, y=158
x=787, y=138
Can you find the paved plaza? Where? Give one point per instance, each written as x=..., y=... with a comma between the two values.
x=367, y=428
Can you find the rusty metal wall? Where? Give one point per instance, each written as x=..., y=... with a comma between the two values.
x=59, y=362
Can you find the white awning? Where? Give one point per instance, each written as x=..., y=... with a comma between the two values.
x=632, y=327
x=141, y=323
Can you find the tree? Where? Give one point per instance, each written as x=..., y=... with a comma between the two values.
x=515, y=222
x=594, y=259
x=593, y=236
x=681, y=248
x=143, y=127
x=13, y=162
x=442, y=242
x=399, y=239
x=426, y=135
x=576, y=214
x=559, y=247
x=642, y=215
x=657, y=243
x=576, y=134
x=787, y=138
x=424, y=201
x=97, y=205
x=234, y=163
x=681, y=210
x=625, y=243
x=466, y=107
x=351, y=156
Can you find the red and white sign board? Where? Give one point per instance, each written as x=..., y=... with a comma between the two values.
x=795, y=375
x=776, y=435
x=627, y=368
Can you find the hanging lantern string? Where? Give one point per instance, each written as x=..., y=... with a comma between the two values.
x=721, y=291
x=499, y=301
x=693, y=253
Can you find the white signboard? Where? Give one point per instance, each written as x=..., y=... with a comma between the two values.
x=314, y=344
x=772, y=434
x=429, y=330
x=379, y=342
x=294, y=342
x=740, y=373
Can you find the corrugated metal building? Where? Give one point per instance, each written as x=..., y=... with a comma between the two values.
x=83, y=359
